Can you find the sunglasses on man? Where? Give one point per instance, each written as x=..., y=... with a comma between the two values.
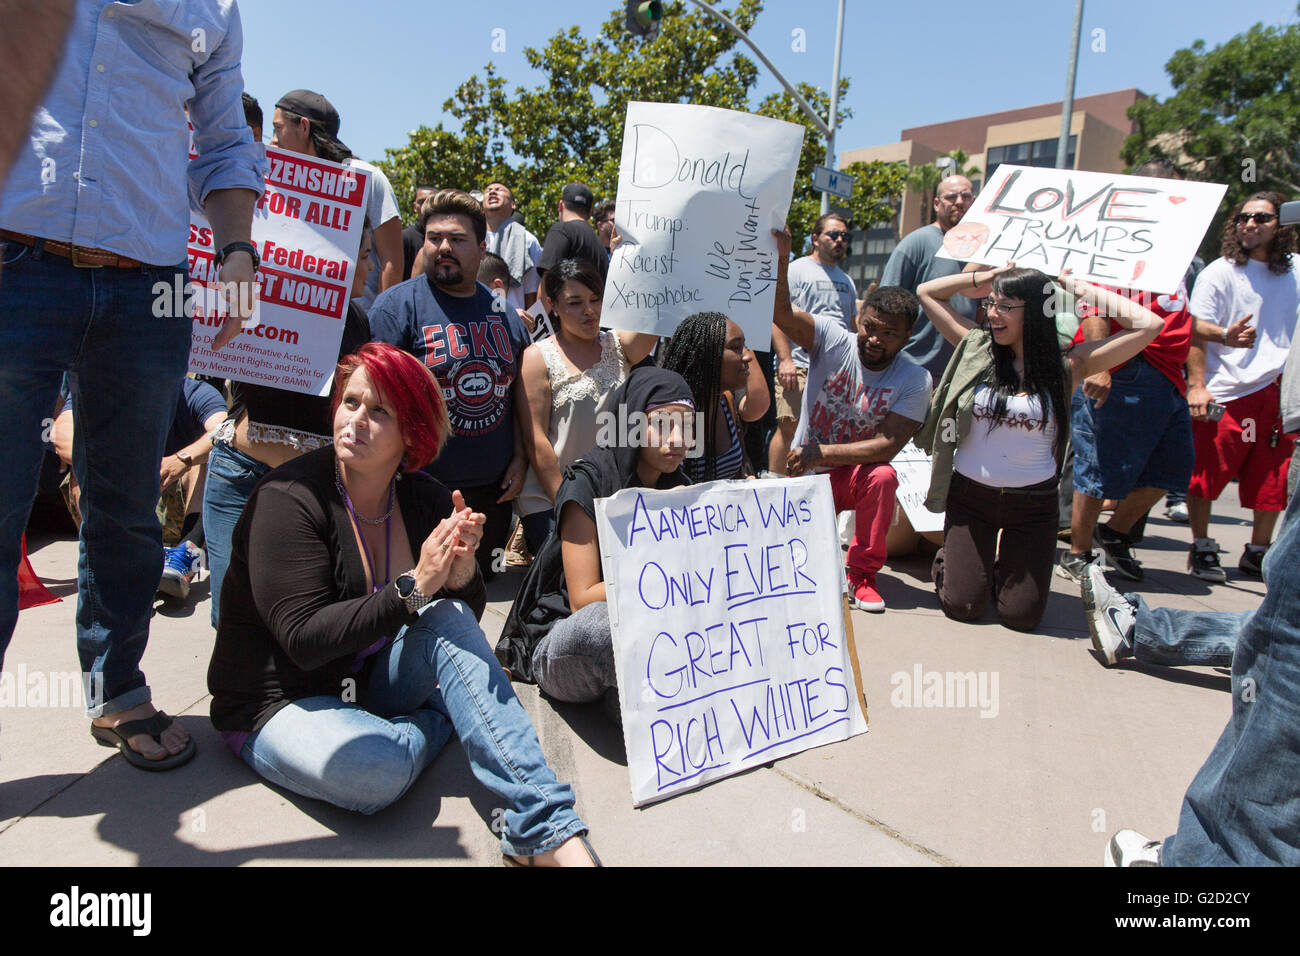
x=1260, y=218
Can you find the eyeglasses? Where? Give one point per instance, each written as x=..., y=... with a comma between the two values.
x=953, y=197
x=1261, y=218
x=836, y=234
x=1002, y=307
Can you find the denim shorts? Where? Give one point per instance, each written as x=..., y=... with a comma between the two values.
x=1140, y=438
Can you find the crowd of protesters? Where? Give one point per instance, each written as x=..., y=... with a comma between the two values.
x=354, y=535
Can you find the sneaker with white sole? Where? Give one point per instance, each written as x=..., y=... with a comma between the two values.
x=863, y=594
x=1178, y=512
x=180, y=566
x=1203, y=560
x=1073, y=565
x=1252, y=560
x=1130, y=848
x=1111, y=618
x=1119, y=552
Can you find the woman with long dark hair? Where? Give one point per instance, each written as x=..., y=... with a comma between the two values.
x=566, y=380
x=997, y=428
x=708, y=350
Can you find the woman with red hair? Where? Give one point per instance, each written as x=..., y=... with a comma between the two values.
x=348, y=649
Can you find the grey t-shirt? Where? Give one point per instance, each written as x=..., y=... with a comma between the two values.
x=1291, y=384
x=821, y=290
x=912, y=262
x=844, y=401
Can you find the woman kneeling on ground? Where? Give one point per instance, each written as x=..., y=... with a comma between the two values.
x=997, y=428
x=348, y=649
x=558, y=632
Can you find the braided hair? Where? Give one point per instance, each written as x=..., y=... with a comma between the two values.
x=695, y=353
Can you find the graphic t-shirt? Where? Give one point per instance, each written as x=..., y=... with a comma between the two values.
x=844, y=401
x=1224, y=293
x=1168, y=352
x=474, y=353
x=821, y=290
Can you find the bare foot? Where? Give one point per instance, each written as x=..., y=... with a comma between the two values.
x=571, y=852
x=174, y=738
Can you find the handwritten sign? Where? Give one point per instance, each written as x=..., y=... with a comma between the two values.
x=725, y=601
x=307, y=229
x=1131, y=231
x=699, y=191
x=913, y=468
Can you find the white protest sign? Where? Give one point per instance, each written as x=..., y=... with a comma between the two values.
x=913, y=468
x=307, y=229
x=726, y=605
x=1130, y=231
x=699, y=191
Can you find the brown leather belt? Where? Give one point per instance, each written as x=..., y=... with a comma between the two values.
x=82, y=257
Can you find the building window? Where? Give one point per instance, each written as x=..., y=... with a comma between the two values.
x=1039, y=153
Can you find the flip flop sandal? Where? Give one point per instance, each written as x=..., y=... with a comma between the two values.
x=154, y=727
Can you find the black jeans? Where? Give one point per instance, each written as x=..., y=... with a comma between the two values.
x=972, y=567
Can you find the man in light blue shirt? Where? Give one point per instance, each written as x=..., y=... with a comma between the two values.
x=94, y=219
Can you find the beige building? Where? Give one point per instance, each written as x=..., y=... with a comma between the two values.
x=1026, y=137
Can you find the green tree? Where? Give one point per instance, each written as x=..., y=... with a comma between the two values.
x=1234, y=117
x=960, y=158
x=570, y=126
x=922, y=180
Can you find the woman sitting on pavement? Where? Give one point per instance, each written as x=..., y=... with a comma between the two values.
x=568, y=379
x=558, y=632
x=708, y=350
x=348, y=650
x=267, y=427
x=997, y=428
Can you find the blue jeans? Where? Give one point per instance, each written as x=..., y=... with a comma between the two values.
x=124, y=366
x=232, y=475
x=1243, y=807
x=1177, y=638
x=438, y=676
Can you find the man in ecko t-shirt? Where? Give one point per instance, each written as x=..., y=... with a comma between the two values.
x=446, y=319
x=913, y=261
x=863, y=402
x=819, y=287
x=1255, y=281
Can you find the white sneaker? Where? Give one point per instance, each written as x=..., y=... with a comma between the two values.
x=1111, y=618
x=1130, y=848
x=1178, y=512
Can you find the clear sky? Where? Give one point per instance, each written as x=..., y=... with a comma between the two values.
x=388, y=65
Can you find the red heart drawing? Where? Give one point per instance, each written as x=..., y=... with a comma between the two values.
x=1177, y=199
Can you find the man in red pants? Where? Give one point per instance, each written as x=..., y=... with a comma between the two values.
x=864, y=400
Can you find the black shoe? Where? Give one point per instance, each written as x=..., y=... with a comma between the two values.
x=1252, y=560
x=1119, y=549
x=1203, y=561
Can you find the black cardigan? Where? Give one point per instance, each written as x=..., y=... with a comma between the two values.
x=295, y=610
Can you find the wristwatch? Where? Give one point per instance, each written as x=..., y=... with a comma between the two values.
x=185, y=459
x=239, y=246
x=411, y=595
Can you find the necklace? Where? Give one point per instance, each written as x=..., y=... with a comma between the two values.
x=343, y=493
x=386, y=521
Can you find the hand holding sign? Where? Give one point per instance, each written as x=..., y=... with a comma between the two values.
x=1240, y=335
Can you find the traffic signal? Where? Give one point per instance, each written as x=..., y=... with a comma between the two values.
x=644, y=17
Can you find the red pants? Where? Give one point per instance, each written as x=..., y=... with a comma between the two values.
x=1239, y=446
x=868, y=491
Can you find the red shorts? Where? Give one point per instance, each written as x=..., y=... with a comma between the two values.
x=1238, y=446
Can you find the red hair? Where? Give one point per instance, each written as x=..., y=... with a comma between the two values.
x=412, y=393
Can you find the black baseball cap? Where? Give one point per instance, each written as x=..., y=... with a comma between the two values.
x=578, y=195
x=316, y=108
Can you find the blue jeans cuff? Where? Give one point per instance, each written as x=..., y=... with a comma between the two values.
x=132, y=698
x=568, y=831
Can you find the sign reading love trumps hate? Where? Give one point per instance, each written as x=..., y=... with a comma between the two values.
x=1130, y=231
x=307, y=229
x=726, y=606
x=699, y=191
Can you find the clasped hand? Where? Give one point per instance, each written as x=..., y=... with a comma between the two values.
x=447, y=555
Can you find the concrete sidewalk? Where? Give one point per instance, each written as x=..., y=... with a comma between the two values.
x=1069, y=753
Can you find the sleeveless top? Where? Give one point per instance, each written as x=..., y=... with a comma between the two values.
x=729, y=462
x=577, y=399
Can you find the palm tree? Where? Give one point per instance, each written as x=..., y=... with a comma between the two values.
x=923, y=179
x=960, y=157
